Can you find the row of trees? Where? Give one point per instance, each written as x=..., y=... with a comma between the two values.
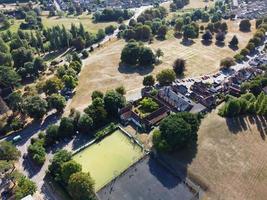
x=113, y=14
x=253, y=43
x=246, y=104
x=69, y=174
x=176, y=131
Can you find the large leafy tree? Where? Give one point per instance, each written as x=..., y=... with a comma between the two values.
x=85, y=123
x=176, y=131
x=8, y=77
x=57, y=102
x=59, y=158
x=113, y=101
x=24, y=187
x=8, y=151
x=35, y=106
x=130, y=53
x=149, y=80
x=52, y=85
x=68, y=168
x=81, y=186
x=21, y=56
x=166, y=77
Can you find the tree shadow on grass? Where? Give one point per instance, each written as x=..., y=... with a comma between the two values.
x=187, y=42
x=141, y=70
x=220, y=44
x=206, y=43
x=242, y=123
x=234, y=48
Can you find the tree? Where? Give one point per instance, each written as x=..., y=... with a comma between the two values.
x=162, y=31
x=52, y=85
x=148, y=105
x=143, y=33
x=39, y=64
x=8, y=77
x=166, y=77
x=113, y=101
x=37, y=152
x=24, y=187
x=220, y=37
x=59, y=158
x=178, y=25
x=179, y=66
x=85, y=123
x=130, y=53
x=79, y=43
x=245, y=25
x=207, y=36
x=159, y=53
x=146, y=56
x=176, y=132
x=234, y=41
x=121, y=90
x=14, y=101
x=189, y=32
x=69, y=81
x=110, y=29
x=97, y=94
x=51, y=134
x=66, y=127
x=232, y=108
x=68, y=168
x=226, y=63
x=57, y=102
x=21, y=56
x=149, y=80
x=35, y=106
x=97, y=112
x=8, y=151
x=81, y=186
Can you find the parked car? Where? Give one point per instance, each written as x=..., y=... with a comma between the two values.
x=16, y=138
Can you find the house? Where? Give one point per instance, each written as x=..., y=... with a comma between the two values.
x=174, y=99
x=128, y=114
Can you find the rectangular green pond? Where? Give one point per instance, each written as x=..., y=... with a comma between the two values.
x=109, y=157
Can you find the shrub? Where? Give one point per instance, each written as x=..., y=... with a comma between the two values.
x=227, y=62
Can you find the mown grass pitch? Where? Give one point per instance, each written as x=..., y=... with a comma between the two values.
x=108, y=158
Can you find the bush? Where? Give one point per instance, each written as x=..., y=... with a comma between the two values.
x=85, y=54
x=227, y=62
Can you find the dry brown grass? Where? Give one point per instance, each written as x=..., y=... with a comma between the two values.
x=102, y=70
x=202, y=59
x=231, y=158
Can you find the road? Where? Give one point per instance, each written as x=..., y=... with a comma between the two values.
x=57, y=5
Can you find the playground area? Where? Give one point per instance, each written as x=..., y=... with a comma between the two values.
x=108, y=158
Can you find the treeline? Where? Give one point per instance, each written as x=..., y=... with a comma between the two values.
x=178, y=4
x=256, y=41
x=69, y=174
x=150, y=23
x=113, y=14
x=21, y=51
x=246, y=104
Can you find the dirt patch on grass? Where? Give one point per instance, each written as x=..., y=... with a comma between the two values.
x=231, y=158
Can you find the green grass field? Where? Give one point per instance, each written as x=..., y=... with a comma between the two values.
x=108, y=158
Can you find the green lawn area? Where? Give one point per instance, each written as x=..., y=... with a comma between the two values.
x=85, y=19
x=108, y=158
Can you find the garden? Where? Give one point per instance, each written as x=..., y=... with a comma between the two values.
x=108, y=158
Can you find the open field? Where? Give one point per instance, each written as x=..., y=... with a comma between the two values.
x=85, y=19
x=102, y=70
x=230, y=158
x=147, y=180
x=202, y=59
x=108, y=158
